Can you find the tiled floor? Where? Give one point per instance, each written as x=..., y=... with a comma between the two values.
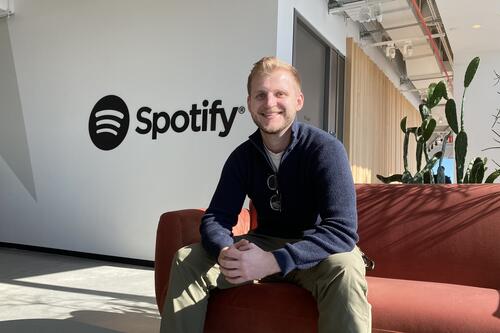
x=42, y=292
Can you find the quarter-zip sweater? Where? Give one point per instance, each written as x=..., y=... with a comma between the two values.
x=318, y=199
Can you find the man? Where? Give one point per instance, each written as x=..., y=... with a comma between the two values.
x=299, y=179
x=440, y=177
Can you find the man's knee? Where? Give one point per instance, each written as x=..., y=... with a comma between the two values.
x=340, y=275
x=190, y=252
x=183, y=253
x=350, y=263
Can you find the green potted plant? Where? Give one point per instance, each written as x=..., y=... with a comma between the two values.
x=476, y=169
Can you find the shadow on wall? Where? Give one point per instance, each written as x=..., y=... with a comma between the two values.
x=137, y=321
x=14, y=149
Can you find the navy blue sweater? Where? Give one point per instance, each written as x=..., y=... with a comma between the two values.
x=318, y=199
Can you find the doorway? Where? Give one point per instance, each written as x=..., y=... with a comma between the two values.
x=322, y=69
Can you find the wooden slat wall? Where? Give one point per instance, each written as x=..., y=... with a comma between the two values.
x=374, y=109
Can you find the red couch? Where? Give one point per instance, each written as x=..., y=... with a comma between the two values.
x=437, y=254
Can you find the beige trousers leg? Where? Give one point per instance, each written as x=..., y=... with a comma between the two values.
x=337, y=283
x=339, y=286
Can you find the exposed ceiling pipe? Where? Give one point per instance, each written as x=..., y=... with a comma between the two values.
x=424, y=26
x=440, y=30
x=398, y=41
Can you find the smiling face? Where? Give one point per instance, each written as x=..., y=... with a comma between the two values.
x=274, y=100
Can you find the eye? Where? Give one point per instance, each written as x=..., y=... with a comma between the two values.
x=280, y=94
x=260, y=96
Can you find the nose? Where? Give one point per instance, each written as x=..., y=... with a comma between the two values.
x=270, y=100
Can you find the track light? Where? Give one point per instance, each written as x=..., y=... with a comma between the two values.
x=6, y=8
x=407, y=49
x=370, y=12
x=377, y=12
x=390, y=51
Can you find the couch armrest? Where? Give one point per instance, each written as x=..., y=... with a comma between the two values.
x=175, y=230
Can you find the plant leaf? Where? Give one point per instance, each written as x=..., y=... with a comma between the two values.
x=445, y=92
x=403, y=124
x=407, y=177
x=477, y=171
x=494, y=175
x=390, y=179
x=460, y=153
x=430, y=91
x=419, y=154
x=466, y=178
x=438, y=92
x=429, y=129
x=471, y=71
x=480, y=173
x=451, y=114
x=432, y=161
x=419, y=176
x=424, y=111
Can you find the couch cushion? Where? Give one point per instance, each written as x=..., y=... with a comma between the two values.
x=416, y=306
x=281, y=307
x=403, y=306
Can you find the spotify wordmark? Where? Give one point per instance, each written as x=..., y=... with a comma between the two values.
x=109, y=120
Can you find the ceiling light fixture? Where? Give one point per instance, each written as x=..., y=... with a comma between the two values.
x=390, y=51
x=407, y=49
x=6, y=8
x=476, y=26
x=370, y=12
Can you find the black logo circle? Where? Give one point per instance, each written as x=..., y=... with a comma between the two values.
x=108, y=122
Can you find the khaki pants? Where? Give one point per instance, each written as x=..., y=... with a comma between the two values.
x=337, y=283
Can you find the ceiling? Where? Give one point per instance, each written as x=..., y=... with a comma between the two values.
x=403, y=22
x=390, y=24
x=460, y=15
x=409, y=32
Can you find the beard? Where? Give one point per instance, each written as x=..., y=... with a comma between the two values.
x=274, y=127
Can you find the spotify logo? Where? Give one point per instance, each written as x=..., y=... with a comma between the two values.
x=108, y=122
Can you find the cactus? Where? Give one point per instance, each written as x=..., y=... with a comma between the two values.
x=451, y=117
x=422, y=134
x=435, y=93
x=477, y=168
x=475, y=171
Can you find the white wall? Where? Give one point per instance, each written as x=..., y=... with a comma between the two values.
x=481, y=102
x=56, y=188
x=165, y=55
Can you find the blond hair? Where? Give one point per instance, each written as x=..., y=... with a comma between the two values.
x=267, y=65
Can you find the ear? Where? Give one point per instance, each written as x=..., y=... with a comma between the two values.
x=248, y=101
x=300, y=101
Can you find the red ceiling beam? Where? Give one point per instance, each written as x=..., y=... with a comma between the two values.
x=434, y=47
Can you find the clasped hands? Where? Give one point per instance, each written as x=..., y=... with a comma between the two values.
x=244, y=261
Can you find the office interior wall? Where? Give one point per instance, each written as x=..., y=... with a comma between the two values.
x=162, y=55
x=374, y=109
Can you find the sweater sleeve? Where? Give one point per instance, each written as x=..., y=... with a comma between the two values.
x=336, y=197
x=222, y=213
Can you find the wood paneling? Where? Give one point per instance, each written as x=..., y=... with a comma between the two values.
x=374, y=109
